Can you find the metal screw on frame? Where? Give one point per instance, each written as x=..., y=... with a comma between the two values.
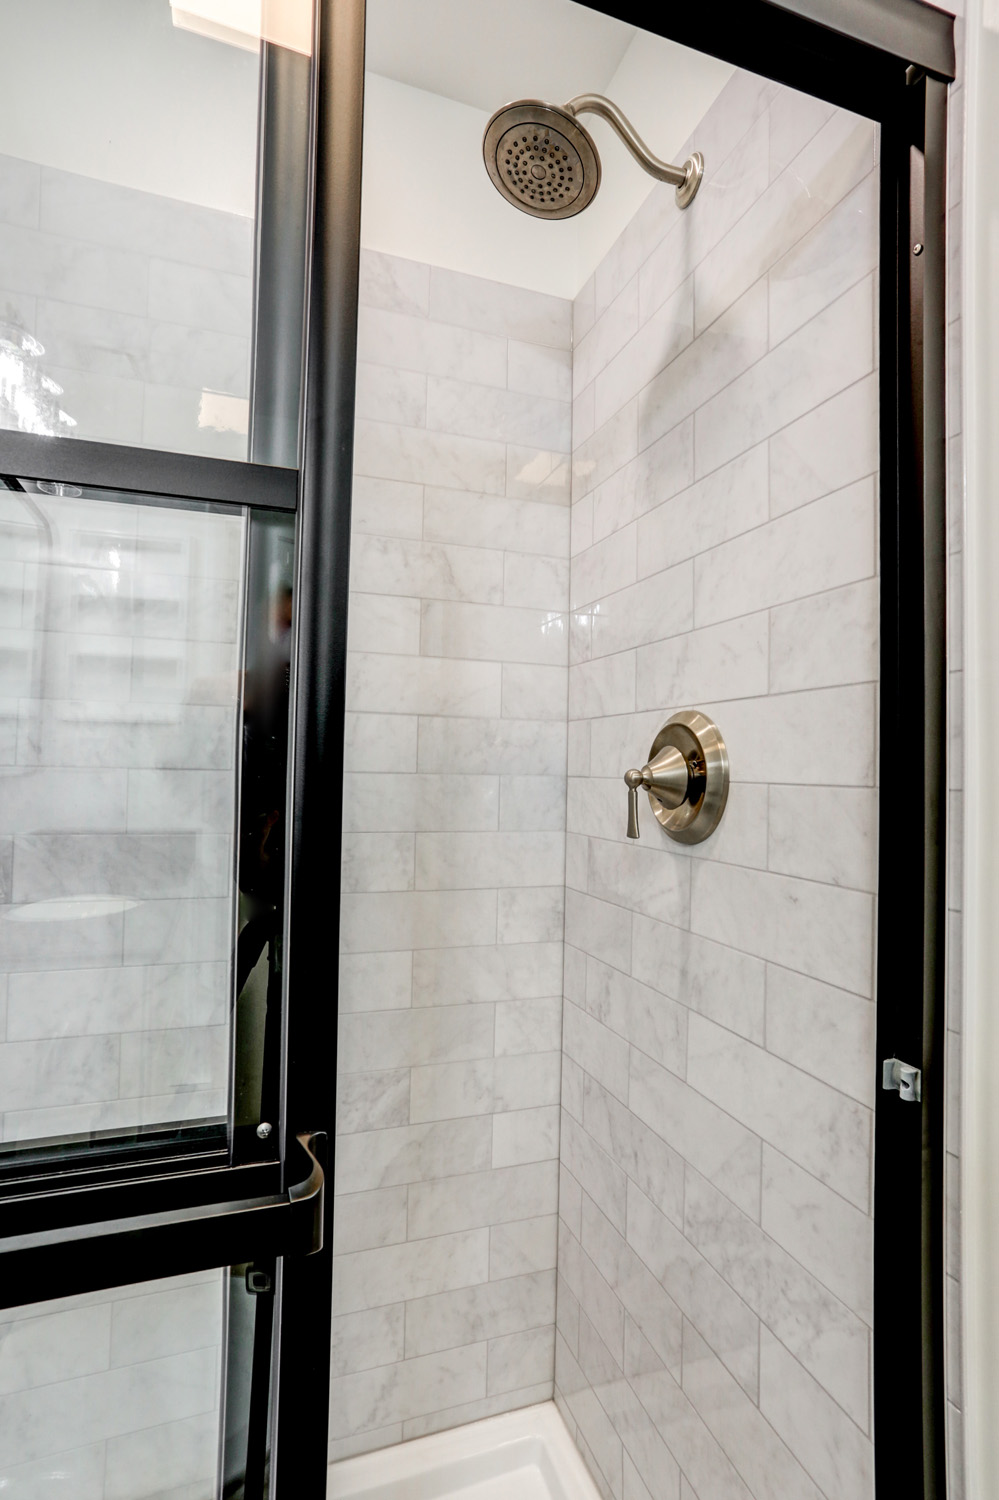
x=264, y=1130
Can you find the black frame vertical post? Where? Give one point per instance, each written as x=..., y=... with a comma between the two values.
x=320, y=661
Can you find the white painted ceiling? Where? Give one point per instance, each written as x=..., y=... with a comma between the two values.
x=486, y=55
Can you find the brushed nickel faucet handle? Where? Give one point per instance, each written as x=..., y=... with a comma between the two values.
x=686, y=778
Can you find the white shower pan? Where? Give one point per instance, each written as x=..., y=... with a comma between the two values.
x=527, y=1454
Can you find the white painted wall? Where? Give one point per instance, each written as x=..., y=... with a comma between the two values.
x=427, y=196
x=113, y=90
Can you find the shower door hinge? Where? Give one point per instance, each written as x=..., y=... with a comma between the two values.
x=903, y=1077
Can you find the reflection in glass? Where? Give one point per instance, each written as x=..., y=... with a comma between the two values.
x=130, y=215
x=119, y=1395
x=120, y=651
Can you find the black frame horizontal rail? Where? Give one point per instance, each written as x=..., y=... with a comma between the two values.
x=147, y=471
x=54, y=1248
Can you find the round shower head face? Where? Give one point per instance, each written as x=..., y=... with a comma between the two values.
x=541, y=159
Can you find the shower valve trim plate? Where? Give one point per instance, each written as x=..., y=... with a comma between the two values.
x=686, y=777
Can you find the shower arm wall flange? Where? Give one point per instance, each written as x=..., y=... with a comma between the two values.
x=686, y=179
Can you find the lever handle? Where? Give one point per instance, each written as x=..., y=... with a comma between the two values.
x=633, y=780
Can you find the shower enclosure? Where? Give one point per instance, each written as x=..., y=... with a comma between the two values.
x=457, y=956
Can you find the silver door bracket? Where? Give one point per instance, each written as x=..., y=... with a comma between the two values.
x=903, y=1077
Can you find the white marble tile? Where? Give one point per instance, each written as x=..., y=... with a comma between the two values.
x=470, y=861
x=795, y=739
x=820, y=546
x=611, y=331
x=718, y=981
x=427, y=570
x=525, y=1135
x=727, y=1323
x=493, y=632
x=833, y=351
x=825, y=833
x=495, y=307
x=641, y=1294
x=600, y=1177
x=826, y=639
x=488, y=1310
x=829, y=1340
x=833, y=1449
x=750, y=1443
x=183, y=1455
x=424, y=685
x=377, y=862
x=539, y=371
x=374, y=1398
x=369, y=1338
x=411, y=1153
x=380, y=742
x=467, y=803
x=794, y=119
x=644, y=1016
x=604, y=568
x=520, y=526
x=532, y=802
x=827, y=449
x=415, y=1036
x=724, y=504
x=403, y=341
x=41, y=1350
x=375, y=1101
x=387, y=507
x=643, y=612
x=599, y=928
x=822, y=931
x=518, y=744
x=536, y=693
x=168, y=1321
x=830, y=1237
x=516, y=1360
x=531, y=914
x=540, y=474
x=480, y=411
x=482, y=975
x=390, y=282
x=821, y=1129
x=522, y=1248
x=600, y=1052
x=96, y=1001
x=722, y=1150
x=602, y=687
x=501, y=1195
x=417, y=919
x=384, y=451
x=644, y=877
x=384, y=394
x=611, y=445
x=827, y=261
x=528, y=1026
x=48, y=265
x=652, y=347
x=839, y=155
x=537, y=583
x=717, y=661
x=647, y=1161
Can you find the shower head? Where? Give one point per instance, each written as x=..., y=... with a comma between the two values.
x=541, y=159
x=546, y=163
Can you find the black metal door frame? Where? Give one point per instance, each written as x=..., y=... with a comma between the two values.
x=177, y=1205
x=891, y=60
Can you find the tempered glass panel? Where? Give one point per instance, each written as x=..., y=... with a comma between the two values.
x=129, y=214
x=119, y=1395
x=120, y=688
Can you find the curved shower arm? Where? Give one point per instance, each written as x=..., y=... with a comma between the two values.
x=596, y=104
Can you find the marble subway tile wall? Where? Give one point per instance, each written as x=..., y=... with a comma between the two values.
x=119, y=654
x=114, y=1395
x=138, y=308
x=453, y=856
x=715, y=1275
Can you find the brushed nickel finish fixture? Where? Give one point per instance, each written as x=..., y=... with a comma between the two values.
x=546, y=163
x=686, y=777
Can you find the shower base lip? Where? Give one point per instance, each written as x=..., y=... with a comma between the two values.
x=527, y=1453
